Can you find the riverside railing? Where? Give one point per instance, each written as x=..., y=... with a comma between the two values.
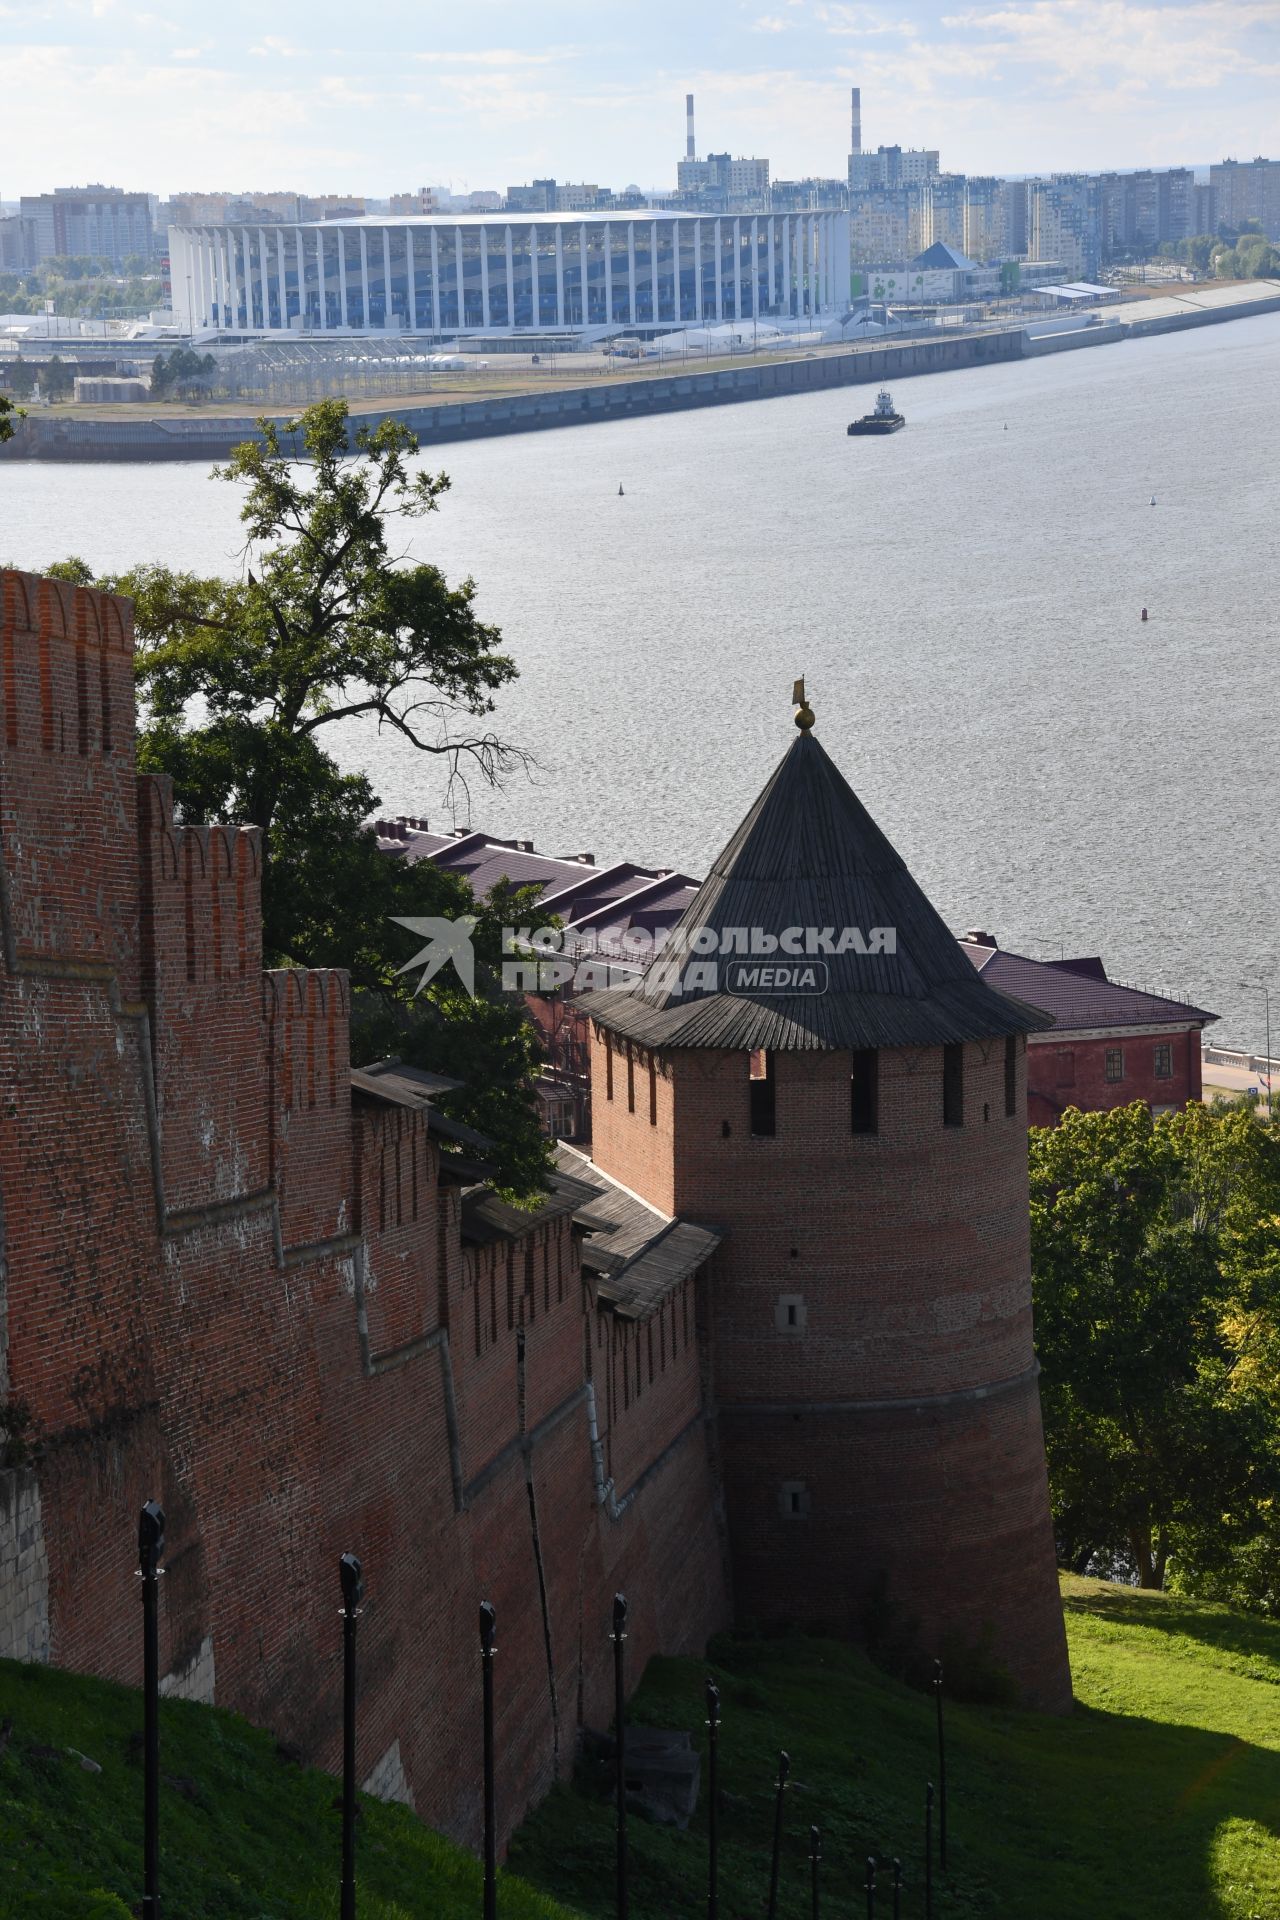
x=886, y=1889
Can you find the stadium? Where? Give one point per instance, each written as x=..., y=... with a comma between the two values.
x=490, y=274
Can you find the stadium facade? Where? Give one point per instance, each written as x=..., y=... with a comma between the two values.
x=490, y=273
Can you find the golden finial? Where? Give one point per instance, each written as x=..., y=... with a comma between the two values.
x=804, y=712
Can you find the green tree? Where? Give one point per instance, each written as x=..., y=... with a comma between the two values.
x=1156, y=1279
x=1010, y=276
x=58, y=378
x=239, y=681
x=22, y=379
x=7, y=412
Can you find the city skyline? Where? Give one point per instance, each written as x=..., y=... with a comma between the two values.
x=421, y=97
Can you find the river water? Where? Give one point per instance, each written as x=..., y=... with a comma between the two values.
x=963, y=599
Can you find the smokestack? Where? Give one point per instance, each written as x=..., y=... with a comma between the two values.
x=690, y=145
x=857, y=121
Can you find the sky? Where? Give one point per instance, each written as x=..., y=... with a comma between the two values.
x=374, y=99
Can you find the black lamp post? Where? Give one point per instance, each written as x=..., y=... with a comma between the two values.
x=488, y=1627
x=784, y=1768
x=351, y=1575
x=150, y=1549
x=713, y=1801
x=942, y=1769
x=619, y=1638
x=815, y=1862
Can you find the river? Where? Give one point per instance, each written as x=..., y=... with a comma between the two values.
x=963, y=599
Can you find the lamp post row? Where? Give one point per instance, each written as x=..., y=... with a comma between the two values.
x=151, y=1544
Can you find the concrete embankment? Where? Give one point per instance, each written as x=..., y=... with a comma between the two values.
x=1200, y=317
x=63, y=436
x=1071, y=338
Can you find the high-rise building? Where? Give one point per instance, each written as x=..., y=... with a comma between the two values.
x=884, y=226
x=985, y=223
x=1015, y=217
x=1139, y=212
x=942, y=211
x=1063, y=222
x=892, y=167
x=1247, y=190
x=104, y=222
x=423, y=201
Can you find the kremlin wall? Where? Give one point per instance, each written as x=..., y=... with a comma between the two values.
x=734, y=1374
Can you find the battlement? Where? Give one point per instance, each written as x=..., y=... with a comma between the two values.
x=67, y=766
x=66, y=666
x=201, y=893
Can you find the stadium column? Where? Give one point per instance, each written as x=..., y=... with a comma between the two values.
x=483, y=232
x=697, y=269
x=737, y=268
x=511, y=279
x=282, y=284
x=770, y=268
x=719, y=273
x=302, y=274
x=435, y=280
x=410, y=281
x=535, y=288
x=388, y=312
x=755, y=266
x=458, y=276
x=322, y=274
x=559, y=274
x=606, y=241
x=584, y=317
x=786, y=262
x=653, y=269
x=631, y=272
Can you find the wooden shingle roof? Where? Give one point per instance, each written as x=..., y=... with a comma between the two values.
x=809, y=855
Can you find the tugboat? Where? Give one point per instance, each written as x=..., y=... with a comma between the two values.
x=885, y=419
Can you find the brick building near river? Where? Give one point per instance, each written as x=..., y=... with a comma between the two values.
x=271, y=1292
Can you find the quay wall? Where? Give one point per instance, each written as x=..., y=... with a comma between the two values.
x=61, y=436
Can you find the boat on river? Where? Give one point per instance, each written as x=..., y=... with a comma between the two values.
x=885, y=419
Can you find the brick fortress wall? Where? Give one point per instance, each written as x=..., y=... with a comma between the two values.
x=225, y=1287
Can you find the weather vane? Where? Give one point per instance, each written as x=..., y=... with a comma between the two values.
x=804, y=712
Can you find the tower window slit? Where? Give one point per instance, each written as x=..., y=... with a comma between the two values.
x=864, y=1091
x=953, y=1085
x=763, y=1095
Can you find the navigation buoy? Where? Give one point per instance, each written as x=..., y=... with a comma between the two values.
x=1006, y=426
x=1144, y=613
x=619, y=489
x=1153, y=499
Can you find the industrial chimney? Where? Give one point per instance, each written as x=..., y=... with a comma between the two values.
x=690, y=145
x=857, y=120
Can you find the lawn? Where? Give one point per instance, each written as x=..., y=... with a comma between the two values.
x=1158, y=1799
x=246, y=1833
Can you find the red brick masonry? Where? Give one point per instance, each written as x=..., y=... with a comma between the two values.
x=227, y=1288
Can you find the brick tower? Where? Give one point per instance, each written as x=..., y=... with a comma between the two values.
x=858, y=1130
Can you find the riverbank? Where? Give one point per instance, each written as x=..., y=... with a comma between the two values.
x=439, y=420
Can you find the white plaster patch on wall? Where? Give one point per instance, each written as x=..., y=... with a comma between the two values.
x=24, y=1569
x=194, y=1680
x=388, y=1780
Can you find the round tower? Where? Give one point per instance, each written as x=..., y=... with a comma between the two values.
x=813, y=1066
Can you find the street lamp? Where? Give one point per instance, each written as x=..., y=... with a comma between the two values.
x=1263, y=987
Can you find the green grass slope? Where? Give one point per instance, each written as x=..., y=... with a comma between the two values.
x=1157, y=1799
x=245, y=1833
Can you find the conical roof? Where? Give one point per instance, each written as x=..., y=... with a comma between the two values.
x=809, y=856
